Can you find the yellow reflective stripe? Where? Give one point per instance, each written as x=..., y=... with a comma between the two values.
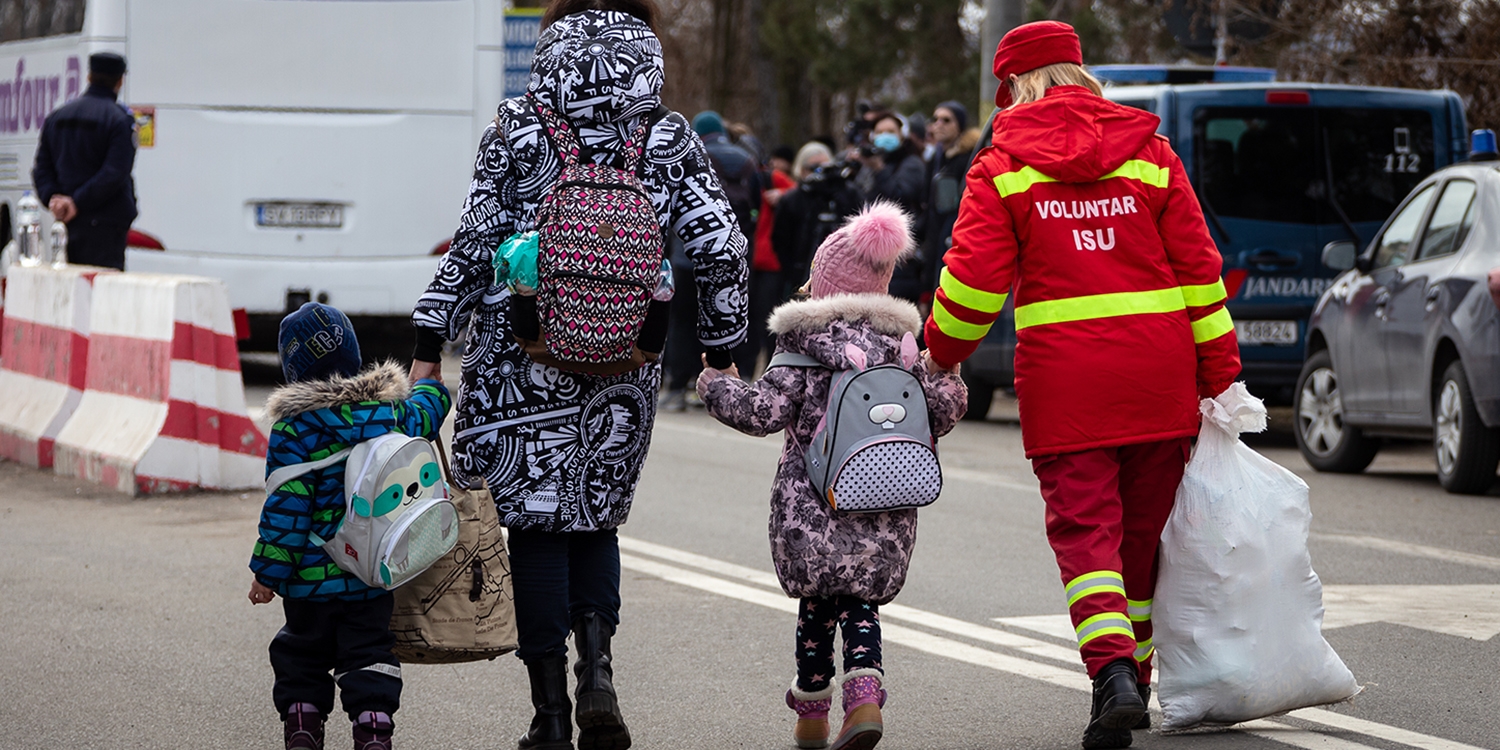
x=1019, y=181
x=1143, y=650
x=1107, y=623
x=968, y=296
x=1139, y=611
x=1205, y=294
x=959, y=329
x=1098, y=582
x=1099, y=306
x=1142, y=171
x=1212, y=327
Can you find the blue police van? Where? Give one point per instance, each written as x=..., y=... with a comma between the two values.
x=1281, y=169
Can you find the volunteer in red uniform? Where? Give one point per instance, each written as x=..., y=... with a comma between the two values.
x=1120, y=323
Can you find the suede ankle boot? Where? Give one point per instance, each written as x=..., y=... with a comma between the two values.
x=1117, y=706
x=863, y=699
x=551, y=726
x=372, y=731
x=811, y=731
x=303, y=727
x=600, y=725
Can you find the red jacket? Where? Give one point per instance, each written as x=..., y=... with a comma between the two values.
x=1120, y=321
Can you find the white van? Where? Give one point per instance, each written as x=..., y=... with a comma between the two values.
x=298, y=149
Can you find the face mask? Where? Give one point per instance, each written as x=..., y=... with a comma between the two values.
x=887, y=142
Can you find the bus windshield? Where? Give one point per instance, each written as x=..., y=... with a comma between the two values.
x=1277, y=164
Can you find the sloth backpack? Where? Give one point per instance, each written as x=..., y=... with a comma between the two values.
x=398, y=519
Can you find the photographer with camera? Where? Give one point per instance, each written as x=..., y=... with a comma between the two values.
x=807, y=214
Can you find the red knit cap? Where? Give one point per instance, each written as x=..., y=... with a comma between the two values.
x=1031, y=46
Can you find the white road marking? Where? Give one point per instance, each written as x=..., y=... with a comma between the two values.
x=1464, y=611
x=1374, y=729
x=945, y=647
x=1410, y=550
x=1052, y=626
x=1296, y=737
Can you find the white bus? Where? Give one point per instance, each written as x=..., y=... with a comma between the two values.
x=298, y=149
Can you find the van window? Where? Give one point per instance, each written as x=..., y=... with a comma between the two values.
x=1451, y=220
x=1145, y=104
x=32, y=19
x=1274, y=164
x=1395, y=246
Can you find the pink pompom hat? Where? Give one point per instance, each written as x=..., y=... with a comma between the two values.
x=860, y=257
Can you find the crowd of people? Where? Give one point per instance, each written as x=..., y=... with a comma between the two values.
x=788, y=200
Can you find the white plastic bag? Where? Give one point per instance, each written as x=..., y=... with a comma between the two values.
x=1238, y=609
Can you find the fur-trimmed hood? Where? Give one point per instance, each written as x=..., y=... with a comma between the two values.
x=886, y=314
x=828, y=328
x=385, y=381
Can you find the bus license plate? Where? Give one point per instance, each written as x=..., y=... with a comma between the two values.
x=300, y=215
x=1266, y=332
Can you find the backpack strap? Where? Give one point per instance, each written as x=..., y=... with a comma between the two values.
x=635, y=147
x=560, y=131
x=292, y=471
x=793, y=359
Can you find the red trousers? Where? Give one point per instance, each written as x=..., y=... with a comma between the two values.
x=1105, y=512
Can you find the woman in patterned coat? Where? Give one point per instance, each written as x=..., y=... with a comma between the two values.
x=562, y=451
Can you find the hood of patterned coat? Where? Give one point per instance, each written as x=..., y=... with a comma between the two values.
x=598, y=67
x=1072, y=135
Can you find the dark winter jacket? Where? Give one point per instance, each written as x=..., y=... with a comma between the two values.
x=903, y=180
x=949, y=167
x=86, y=152
x=563, y=451
x=818, y=551
x=315, y=419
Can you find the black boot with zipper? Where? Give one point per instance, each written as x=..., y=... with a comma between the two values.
x=600, y=725
x=551, y=726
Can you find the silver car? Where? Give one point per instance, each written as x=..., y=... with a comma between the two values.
x=1406, y=343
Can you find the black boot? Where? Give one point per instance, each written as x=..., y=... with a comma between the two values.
x=551, y=727
x=600, y=725
x=1145, y=722
x=1117, y=706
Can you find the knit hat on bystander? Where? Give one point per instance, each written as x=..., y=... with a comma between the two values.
x=860, y=257
x=1031, y=46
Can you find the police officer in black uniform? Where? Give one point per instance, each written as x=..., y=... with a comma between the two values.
x=83, y=163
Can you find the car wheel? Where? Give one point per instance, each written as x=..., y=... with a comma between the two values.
x=981, y=396
x=1327, y=442
x=1467, y=452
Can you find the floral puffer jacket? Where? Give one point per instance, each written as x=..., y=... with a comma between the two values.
x=818, y=551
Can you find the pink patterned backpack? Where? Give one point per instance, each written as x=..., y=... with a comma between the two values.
x=599, y=255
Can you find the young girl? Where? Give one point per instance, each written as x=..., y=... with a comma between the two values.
x=841, y=565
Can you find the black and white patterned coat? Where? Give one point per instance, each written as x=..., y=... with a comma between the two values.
x=563, y=451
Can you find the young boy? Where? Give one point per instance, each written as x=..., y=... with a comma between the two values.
x=337, y=628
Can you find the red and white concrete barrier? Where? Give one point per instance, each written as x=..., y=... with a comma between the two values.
x=46, y=346
x=163, y=407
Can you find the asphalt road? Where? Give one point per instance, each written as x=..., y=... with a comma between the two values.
x=124, y=623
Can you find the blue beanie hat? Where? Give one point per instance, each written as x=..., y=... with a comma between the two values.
x=316, y=343
x=708, y=122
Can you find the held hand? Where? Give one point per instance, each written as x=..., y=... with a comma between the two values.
x=62, y=207
x=425, y=371
x=260, y=594
x=933, y=366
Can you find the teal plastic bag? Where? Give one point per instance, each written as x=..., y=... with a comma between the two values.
x=515, y=263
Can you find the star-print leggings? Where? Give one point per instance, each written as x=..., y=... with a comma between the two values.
x=818, y=619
